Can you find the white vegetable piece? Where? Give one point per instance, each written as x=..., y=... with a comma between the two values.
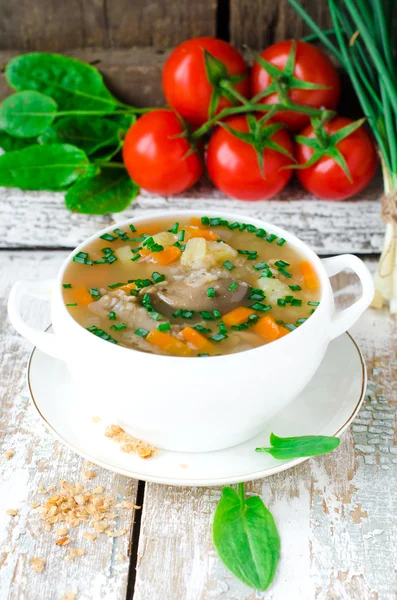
x=273, y=288
x=124, y=254
x=200, y=254
x=164, y=238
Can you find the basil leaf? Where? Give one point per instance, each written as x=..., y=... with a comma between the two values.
x=9, y=143
x=88, y=133
x=301, y=446
x=73, y=84
x=111, y=191
x=44, y=167
x=246, y=538
x=27, y=114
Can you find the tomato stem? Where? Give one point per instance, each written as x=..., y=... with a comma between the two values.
x=109, y=165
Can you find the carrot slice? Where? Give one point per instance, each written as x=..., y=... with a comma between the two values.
x=196, y=221
x=267, y=328
x=237, y=316
x=168, y=343
x=198, y=340
x=207, y=234
x=128, y=287
x=166, y=256
x=309, y=275
x=148, y=229
x=82, y=296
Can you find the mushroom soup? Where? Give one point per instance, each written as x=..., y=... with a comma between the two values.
x=199, y=287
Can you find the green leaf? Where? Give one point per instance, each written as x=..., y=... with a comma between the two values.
x=27, y=114
x=110, y=191
x=301, y=446
x=246, y=539
x=88, y=133
x=9, y=143
x=73, y=84
x=38, y=167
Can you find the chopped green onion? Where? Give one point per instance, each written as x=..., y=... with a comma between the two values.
x=108, y=237
x=177, y=313
x=207, y=316
x=118, y=326
x=261, y=233
x=228, y=265
x=218, y=337
x=202, y=329
x=256, y=295
x=107, y=251
x=296, y=302
x=215, y=221
x=216, y=314
x=112, y=315
x=300, y=321
x=285, y=272
x=110, y=258
x=164, y=326
x=122, y=234
x=142, y=332
x=148, y=241
x=261, y=307
x=136, y=257
x=137, y=239
x=261, y=265
x=140, y=283
x=311, y=303
x=132, y=228
x=222, y=327
x=72, y=304
x=174, y=228
x=135, y=250
x=113, y=286
x=205, y=220
x=289, y=299
x=146, y=299
x=242, y=226
x=234, y=225
x=153, y=314
x=281, y=302
x=134, y=293
x=180, y=246
x=67, y=285
x=295, y=288
x=181, y=235
x=224, y=223
x=95, y=293
x=290, y=326
x=279, y=322
x=271, y=237
x=211, y=292
x=233, y=286
x=266, y=273
x=202, y=354
x=157, y=277
x=281, y=263
x=101, y=333
x=187, y=314
x=100, y=262
x=281, y=242
x=251, y=228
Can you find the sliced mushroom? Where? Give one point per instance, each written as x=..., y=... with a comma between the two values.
x=181, y=295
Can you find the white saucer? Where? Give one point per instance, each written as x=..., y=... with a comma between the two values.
x=327, y=406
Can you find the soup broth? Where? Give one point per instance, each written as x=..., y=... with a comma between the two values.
x=199, y=287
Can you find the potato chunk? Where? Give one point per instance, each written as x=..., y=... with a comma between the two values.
x=273, y=288
x=201, y=254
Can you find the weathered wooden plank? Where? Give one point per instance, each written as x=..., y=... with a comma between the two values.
x=336, y=514
x=52, y=26
x=329, y=227
x=259, y=24
x=40, y=460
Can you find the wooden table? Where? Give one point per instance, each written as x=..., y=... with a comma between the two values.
x=336, y=514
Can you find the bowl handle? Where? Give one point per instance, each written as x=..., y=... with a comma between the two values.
x=47, y=342
x=344, y=319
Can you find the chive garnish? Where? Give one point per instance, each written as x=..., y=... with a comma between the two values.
x=153, y=314
x=202, y=329
x=300, y=321
x=157, y=277
x=233, y=286
x=289, y=299
x=67, y=285
x=122, y=234
x=137, y=239
x=113, y=286
x=112, y=315
x=140, y=283
x=216, y=314
x=107, y=251
x=174, y=228
x=261, y=265
x=132, y=228
x=296, y=302
x=271, y=237
x=108, y=237
x=281, y=263
x=207, y=316
x=215, y=221
x=100, y=262
x=311, y=303
x=187, y=314
x=205, y=220
x=164, y=326
x=180, y=246
x=281, y=302
x=281, y=242
x=95, y=293
x=202, y=354
x=222, y=327
x=181, y=235
x=177, y=313
x=136, y=257
x=102, y=334
x=261, y=307
x=72, y=304
x=242, y=226
x=295, y=288
x=251, y=228
x=261, y=233
x=118, y=326
x=218, y=337
x=134, y=293
x=142, y=332
x=228, y=265
x=266, y=273
x=290, y=326
x=234, y=225
x=146, y=299
x=111, y=258
x=285, y=272
x=135, y=250
x=252, y=319
x=211, y=292
x=256, y=295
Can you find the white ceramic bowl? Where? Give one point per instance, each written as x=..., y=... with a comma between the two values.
x=194, y=404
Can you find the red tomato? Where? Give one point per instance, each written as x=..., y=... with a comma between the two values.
x=155, y=159
x=233, y=164
x=326, y=179
x=312, y=65
x=185, y=83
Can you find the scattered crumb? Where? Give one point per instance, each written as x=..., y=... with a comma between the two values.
x=9, y=454
x=183, y=466
x=37, y=564
x=62, y=531
x=88, y=475
x=12, y=512
x=99, y=490
x=90, y=536
x=42, y=489
x=69, y=596
x=76, y=552
x=118, y=533
x=63, y=541
x=87, y=463
x=96, y=419
x=129, y=444
x=100, y=527
x=121, y=557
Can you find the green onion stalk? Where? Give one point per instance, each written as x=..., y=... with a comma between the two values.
x=362, y=40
